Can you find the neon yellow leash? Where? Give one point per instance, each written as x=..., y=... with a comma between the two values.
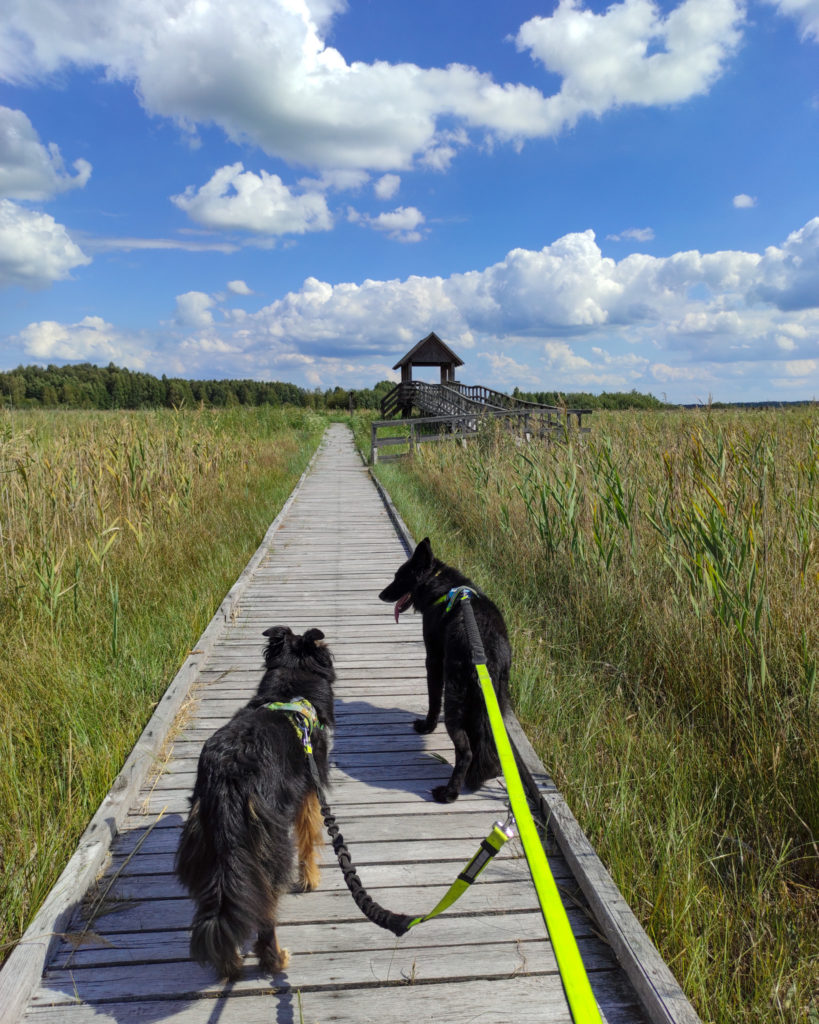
x=499, y=835
x=576, y=984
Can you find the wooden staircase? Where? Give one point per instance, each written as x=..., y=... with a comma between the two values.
x=437, y=411
x=455, y=399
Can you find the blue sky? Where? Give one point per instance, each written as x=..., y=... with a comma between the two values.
x=573, y=195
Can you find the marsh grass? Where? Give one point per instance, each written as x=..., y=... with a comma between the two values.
x=661, y=580
x=120, y=533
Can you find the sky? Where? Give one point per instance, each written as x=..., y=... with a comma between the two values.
x=574, y=195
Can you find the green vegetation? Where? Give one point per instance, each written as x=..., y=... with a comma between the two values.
x=661, y=580
x=120, y=533
x=584, y=400
x=83, y=386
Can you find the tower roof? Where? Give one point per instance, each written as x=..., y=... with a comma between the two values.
x=430, y=351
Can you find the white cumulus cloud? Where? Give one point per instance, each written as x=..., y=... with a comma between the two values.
x=789, y=274
x=239, y=288
x=193, y=309
x=91, y=339
x=387, y=186
x=636, y=234
x=722, y=307
x=578, y=319
x=801, y=367
x=235, y=199
x=805, y=12
x=34, y=249
x=744, y=202
x=402, y=224
x=663, y=373
x=632, y=53
x=28, y=169
x=262, y=71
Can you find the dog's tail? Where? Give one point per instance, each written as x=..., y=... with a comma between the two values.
x=222, y=859
x=485, y=763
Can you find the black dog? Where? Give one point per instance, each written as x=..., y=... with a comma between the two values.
x=422, y=582
x=253, y=785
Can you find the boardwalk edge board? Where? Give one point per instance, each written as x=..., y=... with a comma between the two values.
x=24, y=968
x=663, y=998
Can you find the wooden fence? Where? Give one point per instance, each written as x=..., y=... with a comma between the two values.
x=526, y=424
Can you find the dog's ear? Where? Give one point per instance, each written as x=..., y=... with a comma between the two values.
x=277, y=638
x=278, y=633
x=312, y=637
x=422, y=555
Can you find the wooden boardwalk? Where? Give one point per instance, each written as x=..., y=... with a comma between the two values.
x=488, y=958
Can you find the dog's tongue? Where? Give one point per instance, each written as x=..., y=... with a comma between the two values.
x=401, y=604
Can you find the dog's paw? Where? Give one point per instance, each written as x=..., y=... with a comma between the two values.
x=309, y=879
x=275, y=961
x=271, y=959
x=423, y=725
x=444, y=795
x=231, y=969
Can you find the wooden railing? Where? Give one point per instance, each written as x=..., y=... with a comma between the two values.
x=458, y=399
x=528, y=424
x=430, y=399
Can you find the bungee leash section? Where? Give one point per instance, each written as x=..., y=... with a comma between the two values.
x=579, y=995
x=304, y=718
x=400, y=924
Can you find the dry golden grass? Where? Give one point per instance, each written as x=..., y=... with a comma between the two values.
x=120, y=533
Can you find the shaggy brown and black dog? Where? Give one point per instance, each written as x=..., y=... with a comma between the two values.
x=255, y=806
x=423, y=582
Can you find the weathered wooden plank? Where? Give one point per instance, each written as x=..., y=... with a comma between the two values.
x=431, y=874
x=346, y=790
x=397, y=962
x=159, y=847
x=414, y=769
x=352, y=762
x=360, y=825
x=350, y=934
x=409, y=742
x=489, y=804
x=142, y=914
x=521, y=998
x=359, y=718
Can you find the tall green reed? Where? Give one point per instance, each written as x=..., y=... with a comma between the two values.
x=661, y=575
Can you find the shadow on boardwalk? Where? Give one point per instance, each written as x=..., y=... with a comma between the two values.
x=364, y=731
x=113, y=928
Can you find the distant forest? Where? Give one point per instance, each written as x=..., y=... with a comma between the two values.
x=583, y=400
x=84, y=386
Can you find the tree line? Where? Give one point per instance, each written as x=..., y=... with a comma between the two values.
x=584, y=400
x=85, y=386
